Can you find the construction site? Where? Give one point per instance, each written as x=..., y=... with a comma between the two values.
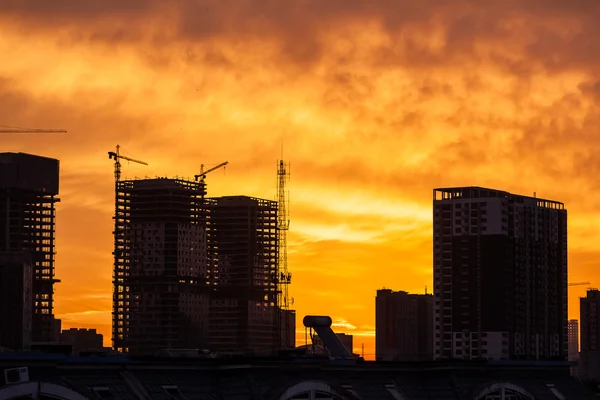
x=192, y=271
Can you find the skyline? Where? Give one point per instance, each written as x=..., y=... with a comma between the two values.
x=373, y=109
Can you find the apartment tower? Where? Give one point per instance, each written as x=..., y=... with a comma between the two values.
x=589, y=356
x=242, y=251
x=500, y=275
x=403, y=326
x=28, y=195
x=160, y=297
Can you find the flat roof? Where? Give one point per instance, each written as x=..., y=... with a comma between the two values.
x=473, y=192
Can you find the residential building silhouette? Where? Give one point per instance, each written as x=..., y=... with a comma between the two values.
x=500, y=275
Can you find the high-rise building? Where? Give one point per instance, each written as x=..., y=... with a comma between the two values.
x=403, y=326
x=500, y=275
x=15, y=300
x=28, y=195
x=242, y=251
x=573, y=334
x=160, y=297
x=589, y=318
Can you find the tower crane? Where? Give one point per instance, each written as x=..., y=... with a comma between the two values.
x=116, y=155
x=9, y=129
x=202, y=175
x=579, y=283
x=284, y=277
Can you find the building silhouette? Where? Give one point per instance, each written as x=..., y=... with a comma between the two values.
x=403, y=326
x=589, y=356
x=573, y=333
x=28, y=195
x=500, y=275
x=160, y=297
x=288, y=328
x=16, y=300
x=82, y=340
x=242, y=253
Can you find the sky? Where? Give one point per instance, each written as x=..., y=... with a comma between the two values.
x=374, y=103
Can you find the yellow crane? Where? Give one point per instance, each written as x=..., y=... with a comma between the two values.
x=117, y=156
x=11, y=129
x=202, y=175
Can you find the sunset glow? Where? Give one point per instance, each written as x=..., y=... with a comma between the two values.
x=375, y=103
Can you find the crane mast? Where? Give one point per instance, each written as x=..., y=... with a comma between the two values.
x=121, y=239
x=283, y=223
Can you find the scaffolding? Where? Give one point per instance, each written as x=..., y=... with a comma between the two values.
x=242, y=251
x=160, y=297
x=28, y=197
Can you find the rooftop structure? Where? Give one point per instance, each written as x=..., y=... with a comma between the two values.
x=78, y=378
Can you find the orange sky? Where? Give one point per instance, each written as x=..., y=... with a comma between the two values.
x=375, y=102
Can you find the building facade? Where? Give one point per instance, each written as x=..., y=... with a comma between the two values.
x=160, y=297
x=500, y=275
x=28, y=195
x=242, y=252
x=573, y=333
x=589, y=356
x=16, y=300
x=403, y=326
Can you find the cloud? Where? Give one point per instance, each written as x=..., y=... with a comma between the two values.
x=374, y=102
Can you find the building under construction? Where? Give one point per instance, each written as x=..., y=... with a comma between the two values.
x=160, y=278
x=243, y=260
x=28, y=195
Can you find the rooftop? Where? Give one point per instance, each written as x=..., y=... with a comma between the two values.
x=474, y=192
x=284, y=379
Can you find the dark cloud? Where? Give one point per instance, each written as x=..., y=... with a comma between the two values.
x=554, y=33
x=77, y=9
